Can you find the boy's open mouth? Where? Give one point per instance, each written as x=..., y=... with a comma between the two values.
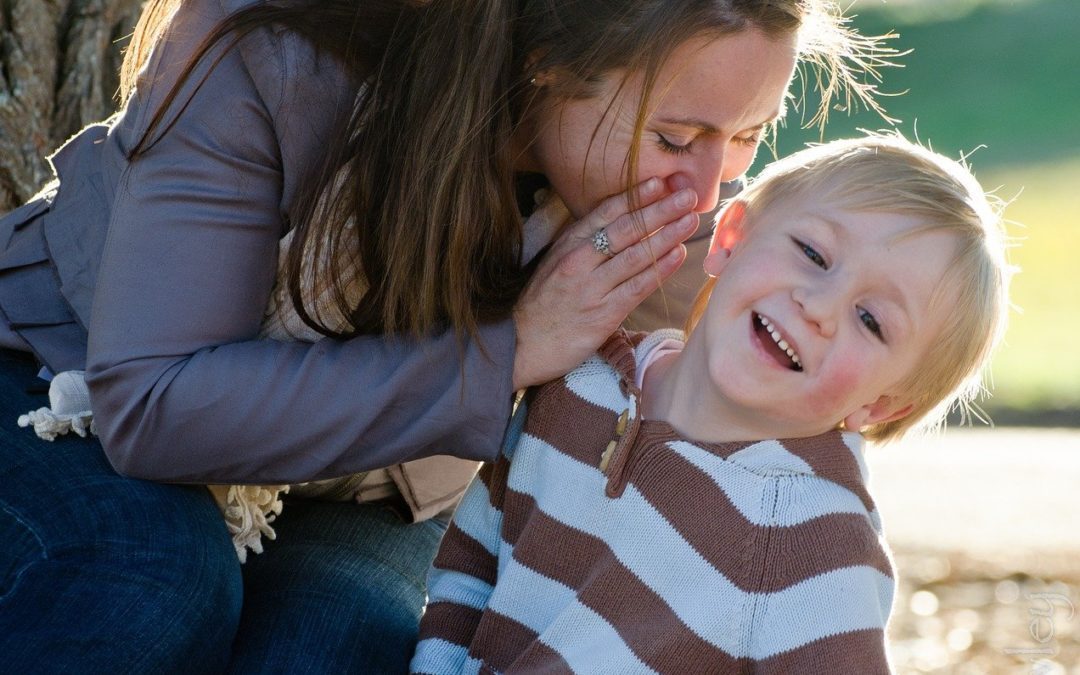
x=775, y=343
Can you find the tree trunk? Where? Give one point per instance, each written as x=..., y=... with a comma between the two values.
x=59, y=70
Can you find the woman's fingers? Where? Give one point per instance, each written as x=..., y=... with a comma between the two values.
x=610, y=210
x=577, y=246
x=634, y=290
x=630, y=228
x=643, y=254
x=577, y=297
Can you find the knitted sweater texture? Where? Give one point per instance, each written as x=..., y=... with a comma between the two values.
x=674, y=557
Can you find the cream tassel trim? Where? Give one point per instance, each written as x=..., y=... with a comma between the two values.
x=69, y=409
x=248, y=511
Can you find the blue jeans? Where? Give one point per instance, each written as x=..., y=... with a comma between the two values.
x=340, y=590
x=101, y=573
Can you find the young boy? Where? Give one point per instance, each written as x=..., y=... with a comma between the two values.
x=647, y=519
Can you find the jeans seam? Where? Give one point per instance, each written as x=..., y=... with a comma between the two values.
x=41, y=546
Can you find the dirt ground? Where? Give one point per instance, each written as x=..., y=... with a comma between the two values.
x=983, y=524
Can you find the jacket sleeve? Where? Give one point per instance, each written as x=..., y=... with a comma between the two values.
x=181, y=388
x=465, y=571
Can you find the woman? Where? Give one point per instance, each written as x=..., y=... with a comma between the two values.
x=381, y=146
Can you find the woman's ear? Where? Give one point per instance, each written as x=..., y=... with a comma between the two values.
x=544, y=77
x=727, y=233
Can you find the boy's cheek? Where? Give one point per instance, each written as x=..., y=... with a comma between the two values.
x=838, y=390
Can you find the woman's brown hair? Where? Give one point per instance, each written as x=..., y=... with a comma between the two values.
x=420, y=194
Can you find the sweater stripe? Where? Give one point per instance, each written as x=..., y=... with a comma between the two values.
x=450, y=585
x=470, y=556
x=585, y=430
x=636, y=612
x=479, y=520
x=848, y=653
x=535, y=607
x=589, y=510
x=595, y=382
x=606, y=651
x=457, y=622
x=820, y=605
x=741, y=489
x=765, y=456
x=435, y=656
x=728, y=540
x=493, y=475
x=845, y=469
x=501, y=640
x=541, y=658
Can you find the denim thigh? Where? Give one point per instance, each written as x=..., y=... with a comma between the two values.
x=341, y=590
x=102, y=573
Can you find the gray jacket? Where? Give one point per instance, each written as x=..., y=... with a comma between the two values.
x=167, y=264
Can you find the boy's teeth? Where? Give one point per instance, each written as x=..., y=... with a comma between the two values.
x=780, y=341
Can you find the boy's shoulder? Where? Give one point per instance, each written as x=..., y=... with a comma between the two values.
x=618, y=351
x=625, y=350
x=590, y=398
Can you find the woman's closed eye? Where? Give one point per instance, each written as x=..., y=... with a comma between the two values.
x=673, y=147
x=748, y=141
x=811, y=253
x=678, y=147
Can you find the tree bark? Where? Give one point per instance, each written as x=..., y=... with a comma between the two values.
x=59, y=70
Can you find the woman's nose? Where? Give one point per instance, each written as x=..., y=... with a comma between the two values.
x=705, y=177
x=816, y=308
x=710, y=175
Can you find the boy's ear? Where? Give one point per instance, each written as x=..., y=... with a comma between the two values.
x=727, y=234
x=884, y=409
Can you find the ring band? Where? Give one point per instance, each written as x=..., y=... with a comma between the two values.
x=601, y=243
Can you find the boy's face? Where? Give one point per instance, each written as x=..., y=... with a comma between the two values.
x=819, y=314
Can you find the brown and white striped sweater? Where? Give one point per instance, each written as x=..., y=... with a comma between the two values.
x=661, y=554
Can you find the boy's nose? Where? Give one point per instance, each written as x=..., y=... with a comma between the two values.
x=816, y=309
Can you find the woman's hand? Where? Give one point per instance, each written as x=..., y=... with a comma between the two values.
x=578, y=296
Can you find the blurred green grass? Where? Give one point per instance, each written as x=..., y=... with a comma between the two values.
x=1039, y=364
x=996, y=80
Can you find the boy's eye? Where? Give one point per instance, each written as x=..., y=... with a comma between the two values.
x=673, y=148
x=811, y=253
x=871, y=323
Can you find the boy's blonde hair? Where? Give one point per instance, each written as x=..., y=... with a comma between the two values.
x=886, y=173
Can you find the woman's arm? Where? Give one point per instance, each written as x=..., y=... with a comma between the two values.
x=181, y=388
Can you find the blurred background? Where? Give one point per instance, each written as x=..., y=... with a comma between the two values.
x=983, y=521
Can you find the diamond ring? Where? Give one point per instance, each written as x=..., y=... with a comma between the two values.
x=601, y=243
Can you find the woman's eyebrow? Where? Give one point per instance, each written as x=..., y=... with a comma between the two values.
x=709, y=128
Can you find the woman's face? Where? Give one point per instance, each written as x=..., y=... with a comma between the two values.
x=710, y=105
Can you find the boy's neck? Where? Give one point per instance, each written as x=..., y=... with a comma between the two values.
x=675, y=390
x=670, y=392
